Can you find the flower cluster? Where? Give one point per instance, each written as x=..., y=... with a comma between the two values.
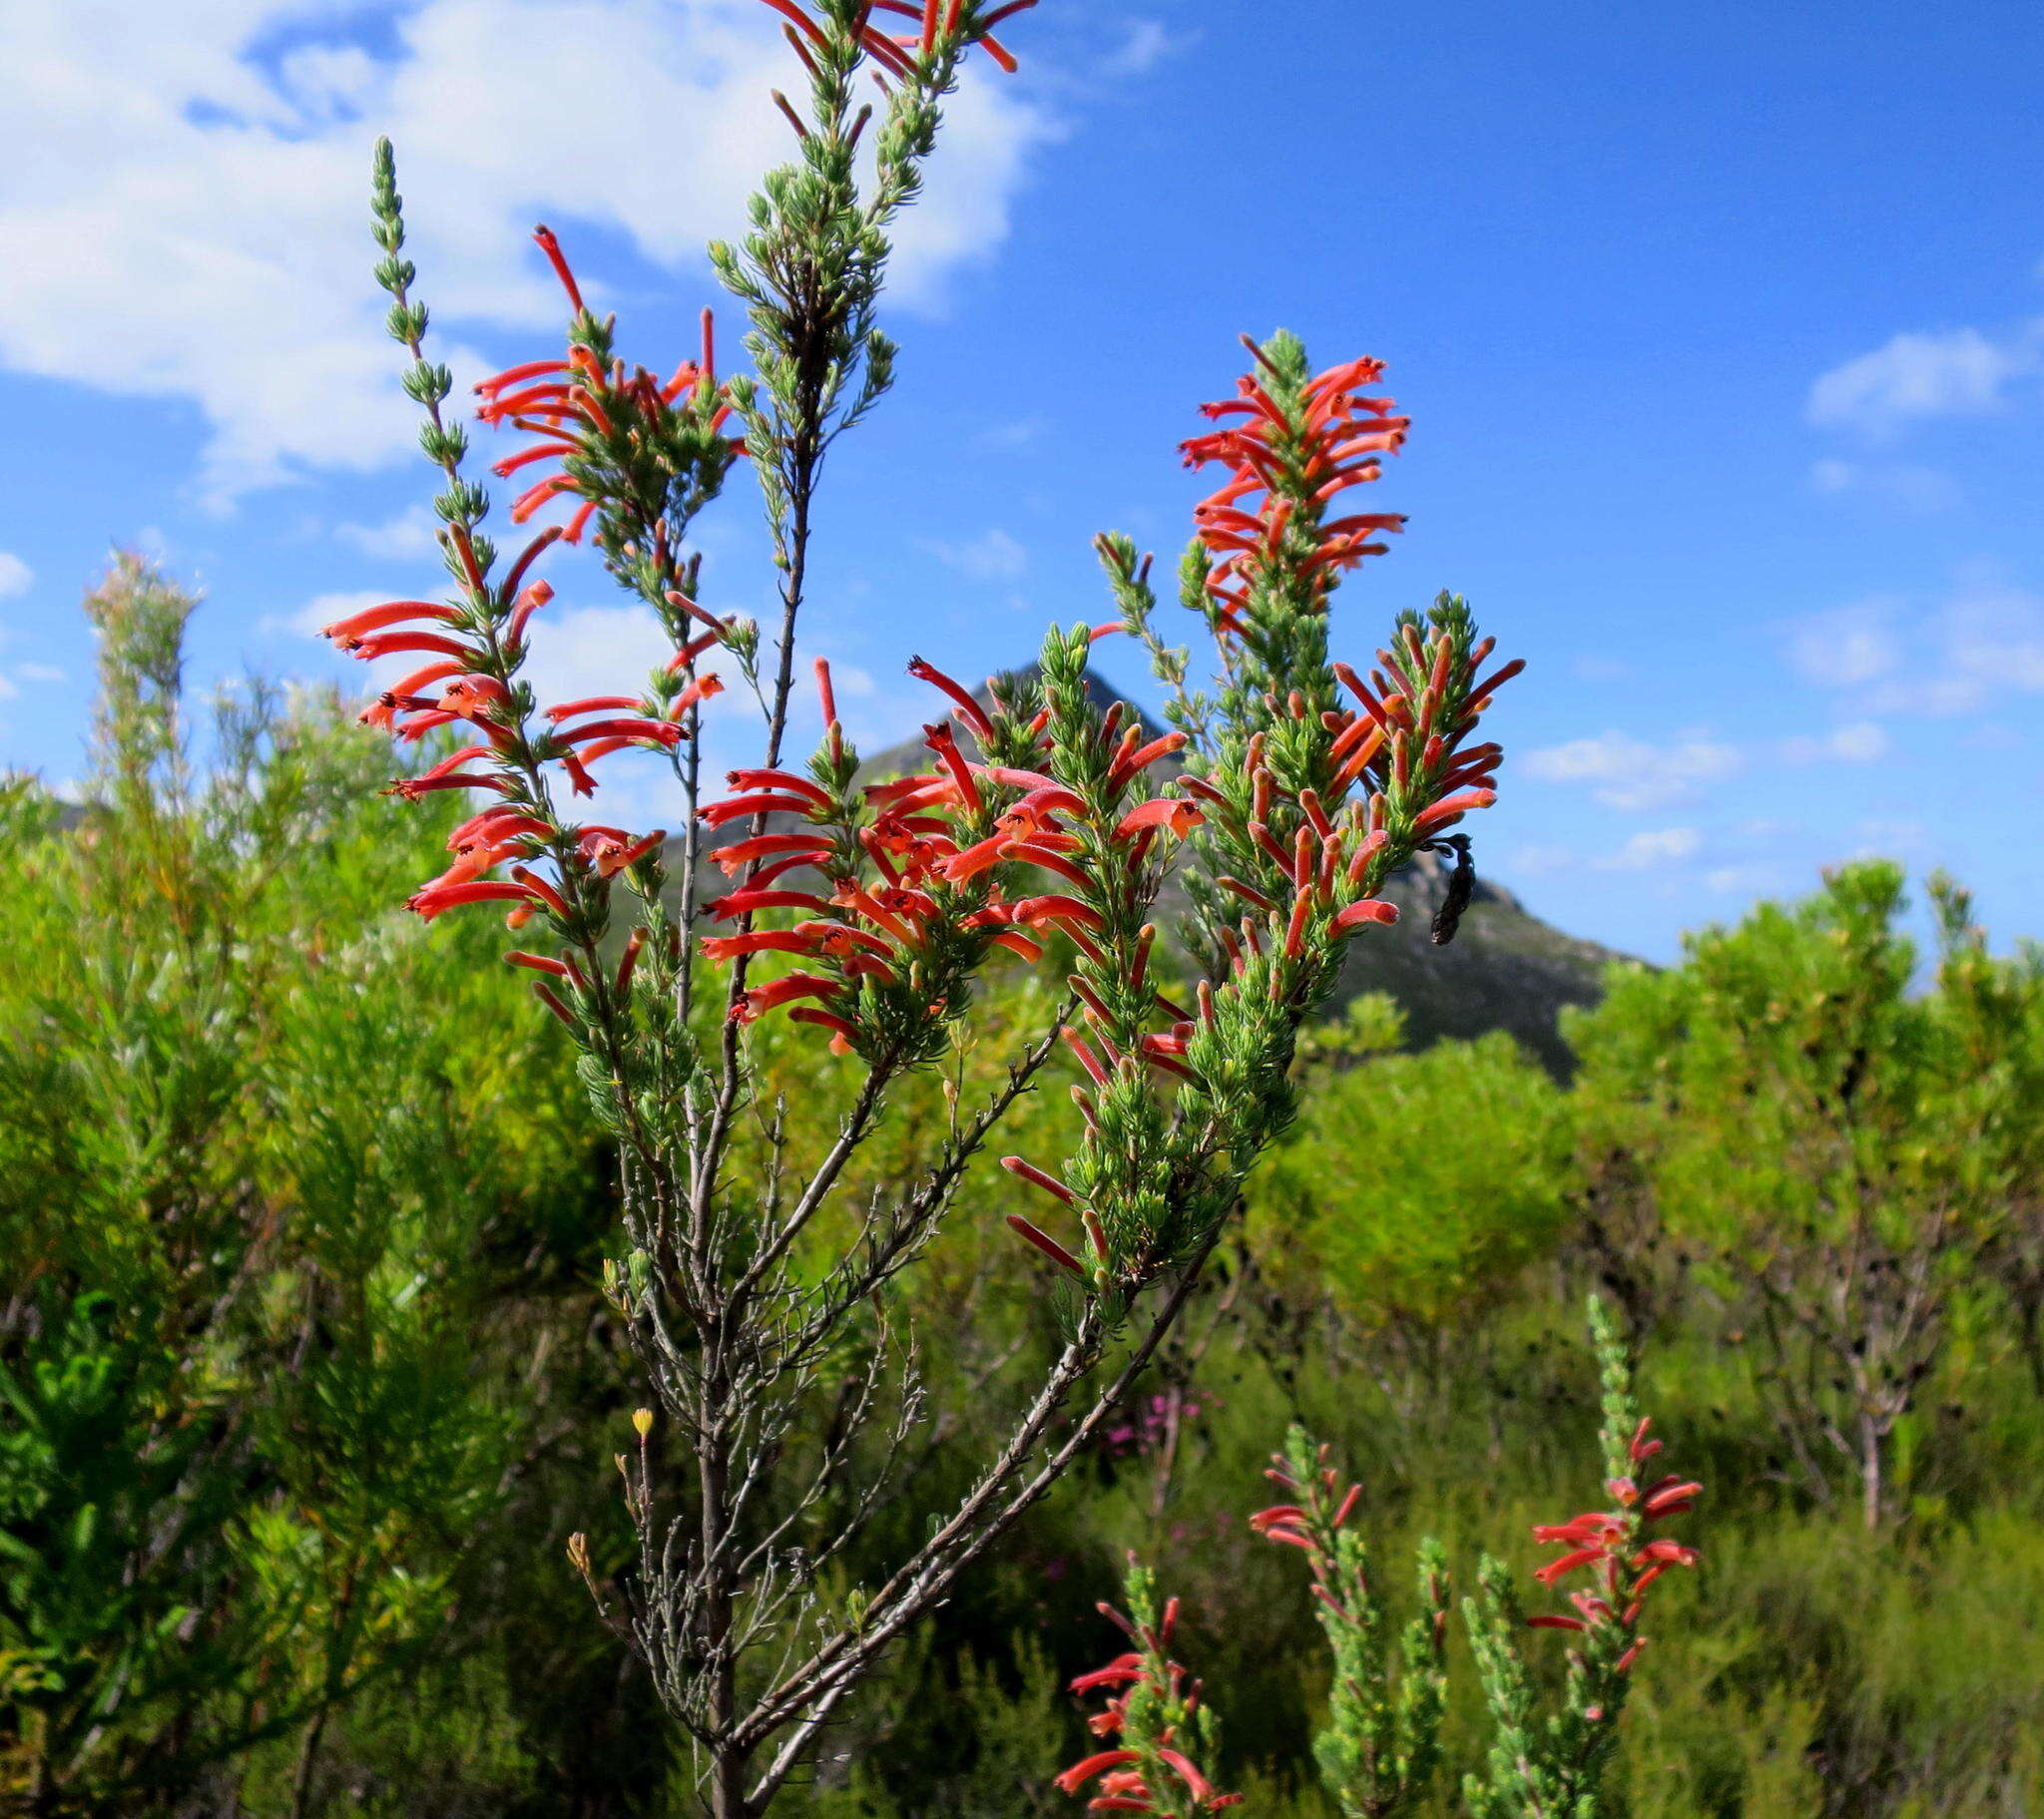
x=1611, y=1546
x=622, y=438
x=1558, y=1763
x=898, y=54
x=1304, y=805
x=1157, y=1717
x=1287, y=462
x=1381, y=1742
x=641, y=456
x=1315, y=798
x=475, y=655
x=919, y=878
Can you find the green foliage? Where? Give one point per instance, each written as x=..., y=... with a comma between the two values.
x=1417, y=1186
x=258, y=1142
x=1837, y=1149
x=1380, y=1746
x=301, y=1384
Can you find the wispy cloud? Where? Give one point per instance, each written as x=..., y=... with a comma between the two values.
x=162, y=160
x=16, y=577
x=1983, y=643
x=1858, y=742
x=1959, y=372
x=1630, y=773
x=1145, y=44
x=991, y=556
x=1651, y=850
x=1902, y=483
x=408, y=534
x=1848, y=647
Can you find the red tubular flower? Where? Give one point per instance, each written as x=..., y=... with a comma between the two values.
x=632, y=731
x=782, y=781
x=740, y=903
x=843, y=1034
x=595, y=703
x=764, y=998
x=539, y=963
x=968, y=710
x=1451, y=807
x=762, y=941
x=396, y=644
x=1369, y=909
x=1059, y=912
x=611, y=855
x=437, y=900
x=347, y=631
x=799, y=847
x=1028, y=1171
x=763, y=802
x=1044, y=1242
x=1177, y=817
x=1080, y=1774
x=411, y=788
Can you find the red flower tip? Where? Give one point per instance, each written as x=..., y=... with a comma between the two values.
x=1369, y=909
x=1080, y=1774
x=1029, y=1172
x=1058, y=1254
x=543, y=237
x=969, y=710
x=1175, y=816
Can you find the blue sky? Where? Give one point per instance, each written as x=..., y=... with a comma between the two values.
x=1721, y=331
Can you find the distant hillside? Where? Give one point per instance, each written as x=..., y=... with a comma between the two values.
x=1505, y=970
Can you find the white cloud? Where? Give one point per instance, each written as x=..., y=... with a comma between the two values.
x=1993, y=635
x=1847, y=648
x=157, y=161
x=408, y=534
x=1859, y=742
x=1905, y=484
x=1743, y=880
x=38, y=672
x=1959, y=372
x=584, y=651
x=1540, y=860
x=1629, y=774
x=1649, y=851
x=1146, y=44
x=994, y=556
x=16, y=577
x=1984, y=644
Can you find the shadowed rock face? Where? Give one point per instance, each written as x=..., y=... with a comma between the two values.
x=1505, y=970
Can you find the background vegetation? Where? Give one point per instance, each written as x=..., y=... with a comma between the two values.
x=304, y=1377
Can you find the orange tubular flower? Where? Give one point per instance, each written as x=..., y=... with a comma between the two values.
x=1176, y=817
x=907, y=862
x=1134, y=1775
x=898, y=54
x=764, y=998
x=1343, y=434
x=1611, y=1546
x=583, y=413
